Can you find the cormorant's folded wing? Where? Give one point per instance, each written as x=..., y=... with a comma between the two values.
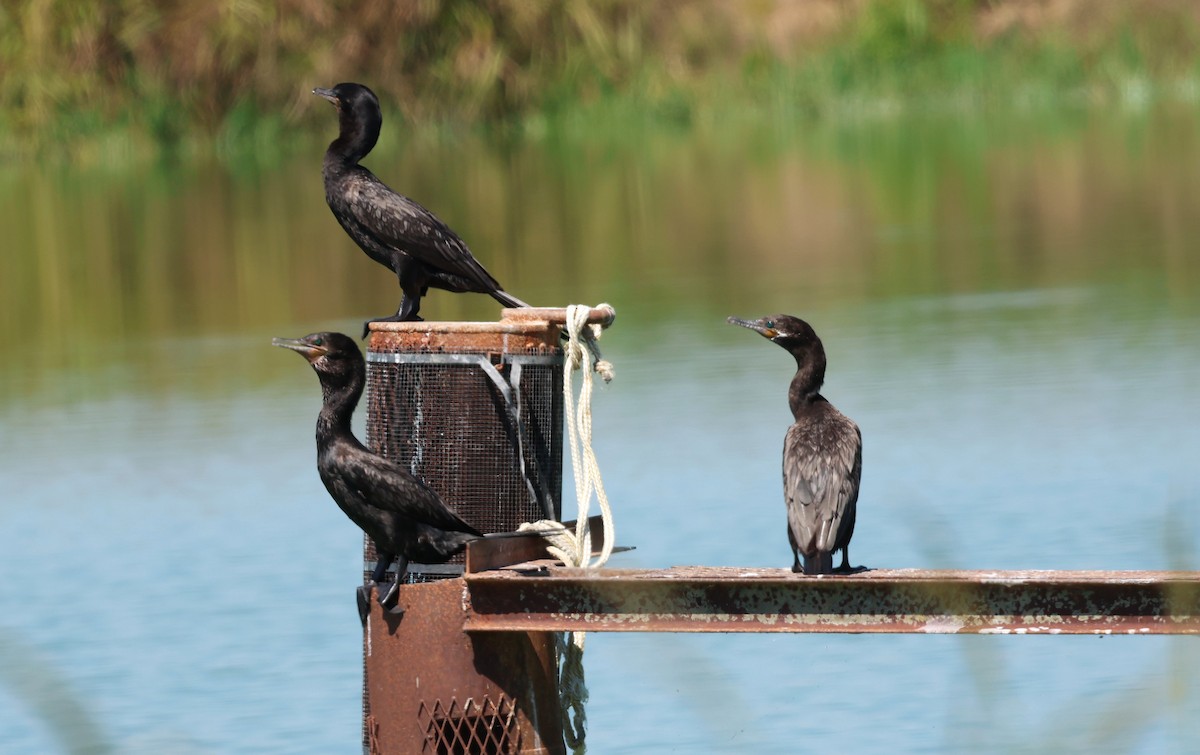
x=386, y=485
x=401, y=223
x=820, y=480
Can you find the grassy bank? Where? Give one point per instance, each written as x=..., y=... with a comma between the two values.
x=130, y=81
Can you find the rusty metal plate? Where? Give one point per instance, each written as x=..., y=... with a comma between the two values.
x=433, y=689
x=546, y=597
x=519, y=330
x=517, y=337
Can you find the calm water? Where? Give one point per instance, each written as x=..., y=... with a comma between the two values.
x=1011, y=315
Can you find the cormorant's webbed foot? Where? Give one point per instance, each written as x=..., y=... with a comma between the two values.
x=363, y=596
x=846, y=568
x=389, y=601
x=382, y=562
x=389, y=318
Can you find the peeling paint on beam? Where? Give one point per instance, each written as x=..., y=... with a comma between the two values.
x=545, y=597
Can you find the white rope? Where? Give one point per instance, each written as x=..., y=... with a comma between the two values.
x=581, y=346
x=576, y=549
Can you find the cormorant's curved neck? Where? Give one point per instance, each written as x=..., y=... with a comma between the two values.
x=340, y=395
x=358, y=133
x=806, y=383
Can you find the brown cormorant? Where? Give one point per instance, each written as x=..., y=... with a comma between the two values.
x=822, y=454
x=391, y=228
x=404, y=516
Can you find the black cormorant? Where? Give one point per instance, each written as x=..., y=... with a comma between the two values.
x=404, y=516
x=822, y=454
x=391, y=228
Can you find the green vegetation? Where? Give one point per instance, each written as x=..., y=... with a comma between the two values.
x=110, y=82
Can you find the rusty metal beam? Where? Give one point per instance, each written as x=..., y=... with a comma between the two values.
x=544, y=596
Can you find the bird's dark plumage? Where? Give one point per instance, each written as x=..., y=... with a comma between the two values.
x=392, y=229
x=822, y=453
x=404, y=516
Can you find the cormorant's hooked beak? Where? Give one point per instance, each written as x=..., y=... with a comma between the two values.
x=327, y=94
x=304, y=348
x=758, y=326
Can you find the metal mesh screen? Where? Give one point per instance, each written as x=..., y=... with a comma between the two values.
x=480, y=422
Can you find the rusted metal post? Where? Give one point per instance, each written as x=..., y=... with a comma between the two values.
x=432, y=688
x=475, y=410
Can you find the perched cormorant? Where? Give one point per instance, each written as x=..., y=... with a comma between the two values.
x=822, y=454
x=404, y=516
x=391, y=228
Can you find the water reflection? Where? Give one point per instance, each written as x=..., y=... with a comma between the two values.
x=1010, y=312
x=667, y=226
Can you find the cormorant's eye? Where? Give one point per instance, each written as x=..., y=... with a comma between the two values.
x=317, y=341
x=771, y=324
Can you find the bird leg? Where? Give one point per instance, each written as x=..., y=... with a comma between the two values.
x=845, y=567
x=388, y=600
x=409, y=306
x=382, y=562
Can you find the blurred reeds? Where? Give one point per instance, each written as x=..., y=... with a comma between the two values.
x=102, y=82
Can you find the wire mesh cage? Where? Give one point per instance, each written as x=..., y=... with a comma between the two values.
x=474, y=410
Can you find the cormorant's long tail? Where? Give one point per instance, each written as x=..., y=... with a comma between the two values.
x=821, y=563
x=508, y=299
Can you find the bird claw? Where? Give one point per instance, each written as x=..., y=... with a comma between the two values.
x=390, y=318
x=389, y=599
